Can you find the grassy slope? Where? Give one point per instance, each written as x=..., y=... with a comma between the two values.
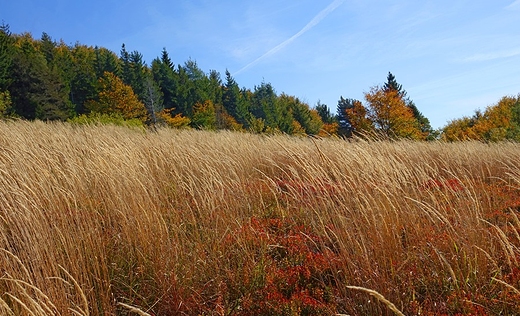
x=222, y=223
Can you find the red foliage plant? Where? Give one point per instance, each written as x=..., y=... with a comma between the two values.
x=449, y=184
x=293, y=274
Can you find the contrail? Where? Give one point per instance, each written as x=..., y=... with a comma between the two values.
x=317, y=19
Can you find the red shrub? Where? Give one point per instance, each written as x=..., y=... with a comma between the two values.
x=296, y=270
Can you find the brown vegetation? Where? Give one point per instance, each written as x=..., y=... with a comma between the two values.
x=104, y=220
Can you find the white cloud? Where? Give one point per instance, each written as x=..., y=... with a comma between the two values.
x=493, y=55
x=317, y=19
x=514, y=6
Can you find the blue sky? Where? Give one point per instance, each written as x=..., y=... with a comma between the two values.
x=452, y=57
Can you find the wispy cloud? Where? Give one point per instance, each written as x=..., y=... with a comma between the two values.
x=317, y=19
x=493, y=55
x=514, y=6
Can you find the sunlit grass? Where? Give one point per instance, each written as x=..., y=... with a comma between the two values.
x=98, y=220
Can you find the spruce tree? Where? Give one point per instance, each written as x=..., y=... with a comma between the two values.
x=345, y=126
x=324, y=112
x=391, y=84
x=165, y=59
x=37, y=91
x=167, y=79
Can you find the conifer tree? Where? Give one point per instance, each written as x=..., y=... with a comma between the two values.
x=47, y=47
x=138, y=75
x=6, y=60
x=81, y=75
x=324, y=113
x=126, y=68
x=36, y=90
x=105, y=60
x=167, y=79
x=235, y=102
x=344, y=121
x=165, y=59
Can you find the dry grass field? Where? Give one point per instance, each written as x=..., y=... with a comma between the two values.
x=105, y=220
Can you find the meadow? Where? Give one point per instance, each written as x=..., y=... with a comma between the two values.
x=106, y=220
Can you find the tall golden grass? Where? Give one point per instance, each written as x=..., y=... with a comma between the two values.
x=105, y=220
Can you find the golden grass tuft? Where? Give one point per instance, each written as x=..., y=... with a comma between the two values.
x=98, y=220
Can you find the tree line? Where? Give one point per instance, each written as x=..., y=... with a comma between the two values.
x=48, y=80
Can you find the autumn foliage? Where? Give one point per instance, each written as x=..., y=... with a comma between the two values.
x=497, y=123
x=358, y=117
x=116, y=97
x=46, y=80
x=390, y=115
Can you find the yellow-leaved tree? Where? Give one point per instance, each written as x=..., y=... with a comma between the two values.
x=496, y=120
x=390, y=115
x=499, y=122
x=117, y=98
x=460, y=129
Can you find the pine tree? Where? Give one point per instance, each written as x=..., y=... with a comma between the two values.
x=391, y=84
x=308, y=121
x=106, y=60
x=264, y=105
x=138, y=75
x=126, y=68
x=165, y=59
x=82, y=75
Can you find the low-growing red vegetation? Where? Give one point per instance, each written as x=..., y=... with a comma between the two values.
x=449, y=184
x=293, y=274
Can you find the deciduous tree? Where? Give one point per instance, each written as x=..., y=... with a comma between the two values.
x=357, y=115
x=423, y=122
x=204, y=115
x=390, y=115
x=498, y=122
x=117, y=97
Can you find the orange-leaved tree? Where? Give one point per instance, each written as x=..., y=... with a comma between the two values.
x=174, y=120
x=390, y=115
x=498, y=122
x=115, y=97
x=358, y=119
